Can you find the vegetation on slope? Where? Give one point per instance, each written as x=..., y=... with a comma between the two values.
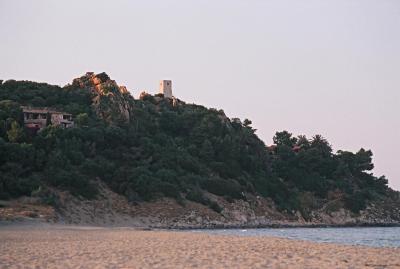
x=163, y=149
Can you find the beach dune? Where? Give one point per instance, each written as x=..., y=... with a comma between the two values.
x=128, y=248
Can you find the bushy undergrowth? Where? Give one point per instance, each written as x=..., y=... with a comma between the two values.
x=173, y=151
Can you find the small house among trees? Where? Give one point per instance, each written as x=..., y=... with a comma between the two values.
x=39, y=118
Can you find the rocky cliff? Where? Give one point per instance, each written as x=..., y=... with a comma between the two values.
x=111, y=102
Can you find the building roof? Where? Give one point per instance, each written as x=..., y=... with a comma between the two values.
x=42, y=110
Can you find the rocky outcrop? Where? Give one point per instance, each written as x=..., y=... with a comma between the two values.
x=111, y=102
x=112, y=209
x=123, y=90
x=256, y=212
x=143, y=95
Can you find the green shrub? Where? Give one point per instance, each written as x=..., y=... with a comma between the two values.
x=197, y=196
x=223, y=187
x=214, y=206
x=357, y=201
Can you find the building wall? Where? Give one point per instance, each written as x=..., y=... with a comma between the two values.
x=56, y=119
x=166, y=88
x=35, y=117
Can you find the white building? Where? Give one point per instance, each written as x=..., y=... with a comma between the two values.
x=166, y=88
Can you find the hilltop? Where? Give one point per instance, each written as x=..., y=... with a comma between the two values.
x=159, y=161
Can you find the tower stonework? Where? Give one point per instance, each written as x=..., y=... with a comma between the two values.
x=166, y=88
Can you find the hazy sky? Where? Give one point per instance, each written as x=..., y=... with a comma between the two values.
x=328, y=67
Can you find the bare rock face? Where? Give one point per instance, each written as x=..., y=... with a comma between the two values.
x=111, y=102
x=123, y=90
x=143, y=95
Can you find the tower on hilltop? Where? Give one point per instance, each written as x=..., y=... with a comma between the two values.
x=166, y=88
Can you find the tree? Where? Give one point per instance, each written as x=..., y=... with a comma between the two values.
x=247, y=123
x=9, y=111
x=207, y=151
x=363, y=160
x=303, y=142
x=284, y=138
x=321, y=144
x=236, y=123
x=82, y=119
x=16, y=133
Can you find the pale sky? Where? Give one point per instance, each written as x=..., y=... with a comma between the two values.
x=328, y=67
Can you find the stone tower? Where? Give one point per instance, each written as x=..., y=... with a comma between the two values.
x=166, y=88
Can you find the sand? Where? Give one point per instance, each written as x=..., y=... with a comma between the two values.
x=127, y=248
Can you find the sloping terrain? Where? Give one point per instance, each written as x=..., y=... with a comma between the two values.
x=161, y=162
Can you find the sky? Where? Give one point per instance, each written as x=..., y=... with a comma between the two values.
x=311, y=67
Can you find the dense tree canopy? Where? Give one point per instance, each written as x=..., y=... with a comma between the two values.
x=178, y=151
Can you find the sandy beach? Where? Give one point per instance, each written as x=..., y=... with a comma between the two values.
x=128, y=248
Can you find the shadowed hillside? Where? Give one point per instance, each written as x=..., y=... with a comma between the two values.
x=155, y=148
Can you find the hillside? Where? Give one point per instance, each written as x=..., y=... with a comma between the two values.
x=167, y=162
